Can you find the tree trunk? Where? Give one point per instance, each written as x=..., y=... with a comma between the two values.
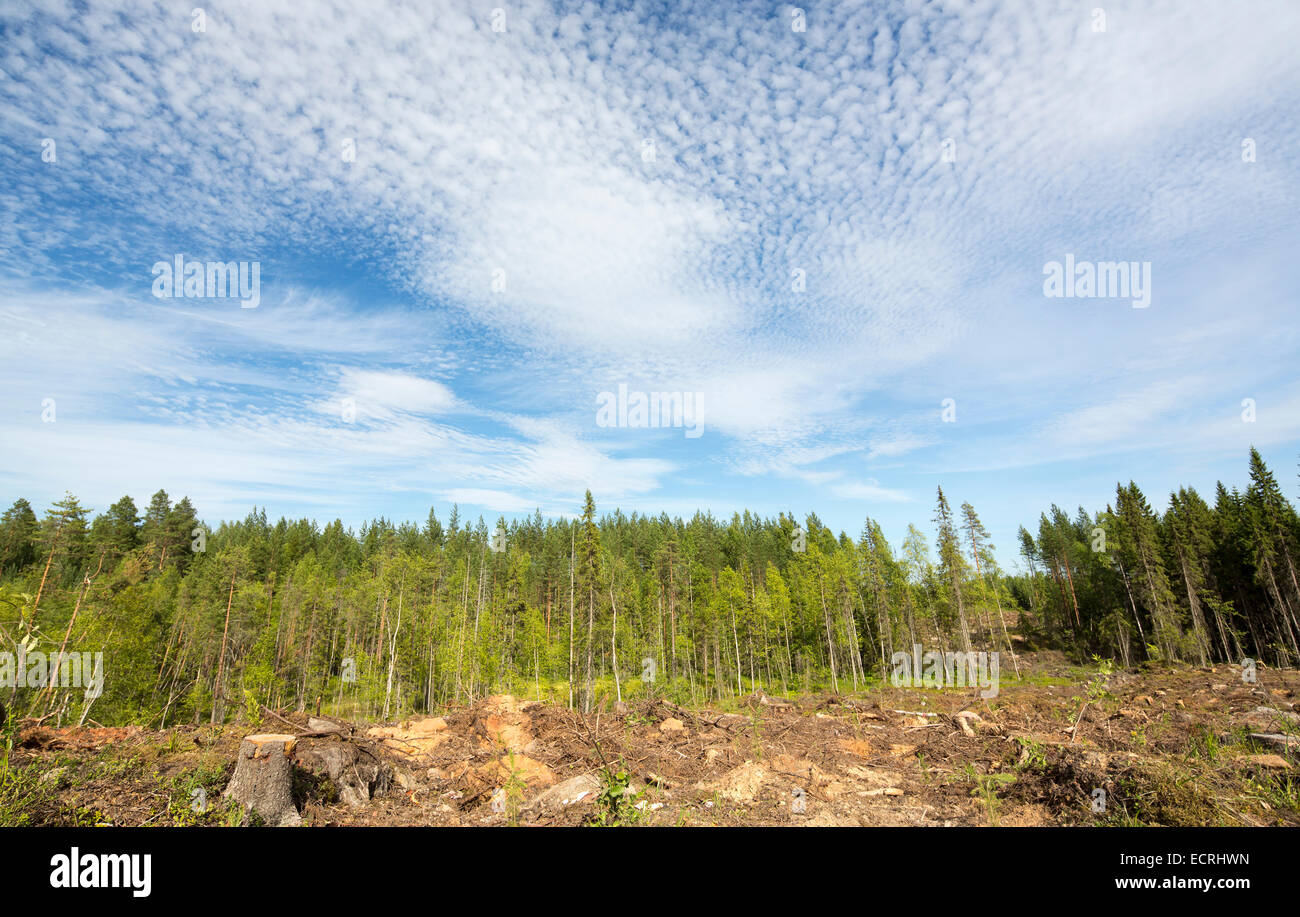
x=218, y=695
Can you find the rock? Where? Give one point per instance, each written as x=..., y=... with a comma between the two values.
x=324, y=727
x=672, y=724
x=1272, y=762
x=580, y=790
x=1276, y=740
x=621, y=709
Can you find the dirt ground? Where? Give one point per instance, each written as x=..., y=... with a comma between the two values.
x=1062, y=746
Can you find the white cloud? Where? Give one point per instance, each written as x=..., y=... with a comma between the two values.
x=776, y=156
x=496, y=500
x=901, y=445
x=380, y=394
x=869, y=490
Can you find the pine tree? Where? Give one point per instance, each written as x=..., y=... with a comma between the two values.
x=951, y=562
x=433, y=530
x=1188, y=520
x=155, y=520
x=1140, y=545
x=178, y=535
x=981, y=550
x=118, y=529
x=64, y=536
x=1273, y=525
x=589, y=588
x=18, y=537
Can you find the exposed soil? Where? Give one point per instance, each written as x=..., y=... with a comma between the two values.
x=1165, y=747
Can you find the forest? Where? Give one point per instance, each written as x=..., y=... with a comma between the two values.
x=197, y=625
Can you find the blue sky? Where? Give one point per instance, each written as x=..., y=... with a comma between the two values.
x=649, y=182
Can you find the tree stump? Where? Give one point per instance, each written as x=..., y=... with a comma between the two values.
x=355, y=771
x=263, y=779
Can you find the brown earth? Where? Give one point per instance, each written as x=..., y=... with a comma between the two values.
x=1165, y=747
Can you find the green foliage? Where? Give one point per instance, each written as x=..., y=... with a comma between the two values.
x=986, y=788
x=22, y=796
x=1033, y=755
x=194, y=797
x=399, y=618
x=616, y=803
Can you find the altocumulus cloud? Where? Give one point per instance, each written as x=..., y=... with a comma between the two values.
x=695, y=198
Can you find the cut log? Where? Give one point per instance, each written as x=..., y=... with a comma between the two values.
x=263, y=780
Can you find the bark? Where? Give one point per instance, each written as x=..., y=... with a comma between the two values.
x=263, y=780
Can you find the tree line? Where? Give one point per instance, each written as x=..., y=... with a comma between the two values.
x=397, y=618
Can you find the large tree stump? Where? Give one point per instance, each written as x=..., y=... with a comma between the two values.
x=263, y=779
